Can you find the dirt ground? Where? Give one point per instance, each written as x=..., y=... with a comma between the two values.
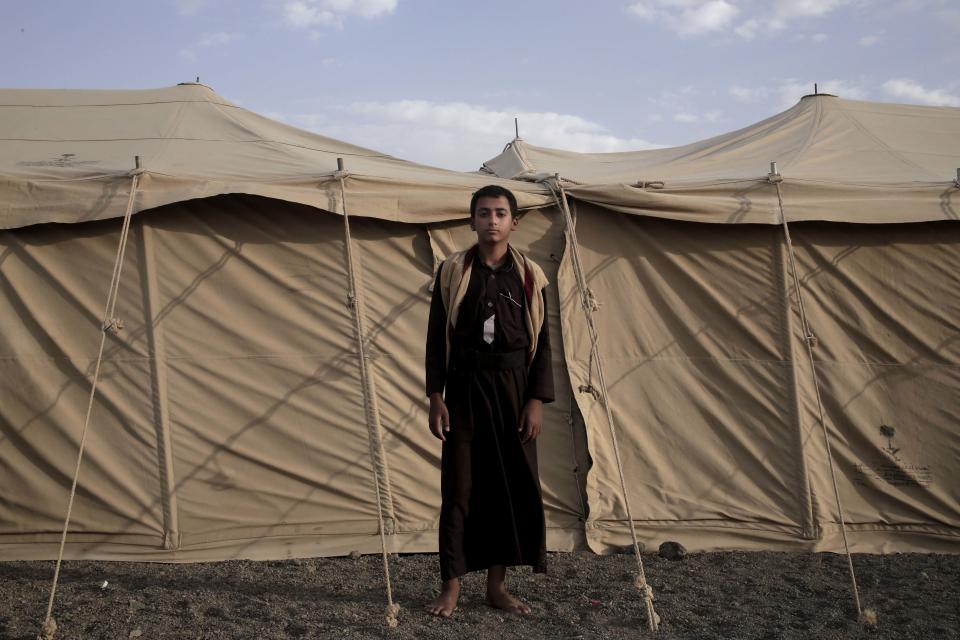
x=709, y=595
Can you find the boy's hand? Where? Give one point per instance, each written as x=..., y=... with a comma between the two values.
x=439, y=417
x=531, y=420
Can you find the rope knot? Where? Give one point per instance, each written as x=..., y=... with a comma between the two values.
x=774, y=178
x=592, y=390
x=811, y=340
x=49, y=629
x=643, y=587
x=393, y=613
x=112, y=325
x=340, y=174
x=139, y=171
x=389, y=526
x=590, y=301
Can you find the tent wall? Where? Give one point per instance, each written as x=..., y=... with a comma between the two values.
x=229, y=419
x=713, y=396
x=692, y=332
x=53, y=285
x=884, y=303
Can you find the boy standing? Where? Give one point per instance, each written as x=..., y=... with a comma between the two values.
x=488, y=374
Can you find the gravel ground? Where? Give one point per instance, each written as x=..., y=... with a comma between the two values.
x=708, y=595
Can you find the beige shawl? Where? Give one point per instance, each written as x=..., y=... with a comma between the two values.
x=455, y=278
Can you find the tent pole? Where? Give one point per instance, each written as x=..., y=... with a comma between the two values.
x=110, y=324
x=158, y=368
x=381, y=478
x=806, y=509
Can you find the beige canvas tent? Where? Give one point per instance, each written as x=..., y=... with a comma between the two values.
x=705, y=342
x=230, y=418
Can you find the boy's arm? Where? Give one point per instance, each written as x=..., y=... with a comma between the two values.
x=540, y=379
x=436, y=363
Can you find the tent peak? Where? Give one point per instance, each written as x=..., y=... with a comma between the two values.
x=819, y=95
x=196, y=84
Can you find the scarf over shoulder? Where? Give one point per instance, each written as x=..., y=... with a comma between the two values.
x=455, y=278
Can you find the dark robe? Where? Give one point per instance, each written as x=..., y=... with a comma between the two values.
x=492, y=508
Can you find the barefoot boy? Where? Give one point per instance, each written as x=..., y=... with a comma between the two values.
x=488, y=375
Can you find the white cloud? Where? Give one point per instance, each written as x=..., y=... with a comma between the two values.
x=791, y=90
x=207, y=41
x=748, y=94
x=776, y=16
x=748, y=29
x=744, y=18
x=643, y=10
x=305, y=14
x=711, y=16
x=819, y=37
x=915, y=92
x=218, y=38
x=458, y=135
x=872, y=39
x=190, y=7
x=685, y=117
x=687, y=17
x=807, y=8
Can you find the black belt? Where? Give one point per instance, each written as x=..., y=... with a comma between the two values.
x=471, y=359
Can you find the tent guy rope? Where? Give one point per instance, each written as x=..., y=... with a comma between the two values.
x=110, y=324
x=810, y=340
x=589, y=304
x=370, y=408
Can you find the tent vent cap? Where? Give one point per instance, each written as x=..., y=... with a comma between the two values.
x=774, y=175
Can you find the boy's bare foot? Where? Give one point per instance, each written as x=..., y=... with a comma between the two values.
x=497, y=594
x=500, y=598
x=444, y=604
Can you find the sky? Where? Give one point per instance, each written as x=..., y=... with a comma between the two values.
x=440, y=82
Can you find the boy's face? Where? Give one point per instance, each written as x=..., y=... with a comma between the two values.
x=492, y=220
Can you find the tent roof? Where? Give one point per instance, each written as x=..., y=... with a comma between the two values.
x=65, y=156
x=829, y=151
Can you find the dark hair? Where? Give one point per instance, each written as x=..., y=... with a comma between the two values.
x=494, y=191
